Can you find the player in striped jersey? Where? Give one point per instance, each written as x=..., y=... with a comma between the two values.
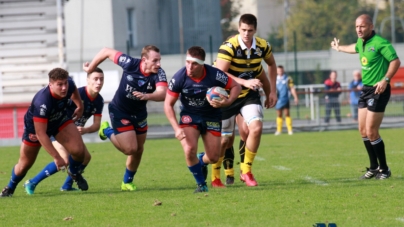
x=241, y=56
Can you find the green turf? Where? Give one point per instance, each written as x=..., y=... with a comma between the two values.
x=303, y=179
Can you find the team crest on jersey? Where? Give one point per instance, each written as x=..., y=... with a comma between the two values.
x=364, y=60
x=221, y=77
x=172, y=82
x=42, y=110
x=32, y=137
x=140, y=82
x=258, y=52
x=186, y=119
x=129, y=78
x=122, y=58
x=371, y=49
x=371, y=102
x=125, y=122
x=162, y=75
x=239, y=53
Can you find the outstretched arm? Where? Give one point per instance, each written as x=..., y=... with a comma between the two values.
x=350, y=49
x=100, y=57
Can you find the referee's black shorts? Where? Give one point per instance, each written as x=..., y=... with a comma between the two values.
x=374, y=102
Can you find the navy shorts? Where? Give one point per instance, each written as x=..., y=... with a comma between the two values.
x=374, y=102
x=202, y=123
x=122, y=122
x=29, y=137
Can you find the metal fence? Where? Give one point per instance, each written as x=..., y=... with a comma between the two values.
x=308, y=115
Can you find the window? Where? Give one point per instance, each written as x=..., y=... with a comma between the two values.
x=132, y=33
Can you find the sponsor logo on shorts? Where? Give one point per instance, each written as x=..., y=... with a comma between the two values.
x=33, y=137
x=370, y=102
x=186, y=119
x=213, y=125
x=140, y=82
x=125, y=122
x=143, y=123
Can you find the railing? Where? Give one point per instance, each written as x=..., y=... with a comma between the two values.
x=309, y=113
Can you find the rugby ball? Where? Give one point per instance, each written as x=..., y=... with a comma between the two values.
x=214, y=93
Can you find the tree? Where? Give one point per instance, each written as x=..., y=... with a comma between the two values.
x=317, y=23
x=230, y=10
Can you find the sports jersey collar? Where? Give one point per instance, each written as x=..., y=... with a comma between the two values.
x=141, y=70
x=54, y=95
x=199, y=79
x=89, y=95
x=243, y=46
x=370, y=37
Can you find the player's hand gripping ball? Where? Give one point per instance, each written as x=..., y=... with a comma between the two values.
x=214, y=93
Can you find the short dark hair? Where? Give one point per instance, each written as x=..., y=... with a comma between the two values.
x=248, y=19
x=96, y=70
x=58, y=74
x=146, y=49
x=197, y=51
x=280, y=66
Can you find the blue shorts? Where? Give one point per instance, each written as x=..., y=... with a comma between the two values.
x=202, y=123
x=122, y=122
x=29, y=136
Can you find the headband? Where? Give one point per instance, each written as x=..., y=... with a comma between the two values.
x=199, y=61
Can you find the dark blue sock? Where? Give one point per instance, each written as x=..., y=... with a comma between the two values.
x=200, y=157
x=128, y=177
x=73, y=165
x=69, y=180
x=49, y=170
x=196, y=171
x=68, y=183
x=12, y=184
x=108, y=132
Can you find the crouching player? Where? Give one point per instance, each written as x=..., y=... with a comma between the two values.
x=93, y=105
x=45, y=117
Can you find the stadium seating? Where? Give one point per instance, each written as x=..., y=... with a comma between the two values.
x=29, y=47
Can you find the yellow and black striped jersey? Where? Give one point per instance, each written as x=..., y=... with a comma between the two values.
x=245, y=63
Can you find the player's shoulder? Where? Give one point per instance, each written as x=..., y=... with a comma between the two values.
x=231, y=43
x=261, y=42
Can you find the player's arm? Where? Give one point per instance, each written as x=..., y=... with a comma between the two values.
x=40, y=129
x=99, y=58
x=391, y=71
x=294, y=94
x=169, y=103
x=235, y=90
x=350, y=49
x=78, y=112
x=158, y=95
x=92, y=128
x=272, y=98
x=225, y=65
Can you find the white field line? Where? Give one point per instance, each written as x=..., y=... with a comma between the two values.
x=258, y=158
x=315, y=181
x=281, y=168
x=400, y=219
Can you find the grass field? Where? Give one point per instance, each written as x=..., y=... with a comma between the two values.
x=303, y=179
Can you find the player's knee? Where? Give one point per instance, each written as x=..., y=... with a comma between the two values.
x=255, y=128
x=213, y=158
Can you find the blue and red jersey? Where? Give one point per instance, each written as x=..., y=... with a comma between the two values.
x=192, y=93
x=134, y=79
x=92, y=106
x=47, y=108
